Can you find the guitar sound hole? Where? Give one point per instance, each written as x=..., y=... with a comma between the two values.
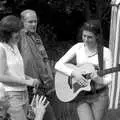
x=70, y=82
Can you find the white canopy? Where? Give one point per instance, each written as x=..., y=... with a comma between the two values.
x=114, y=45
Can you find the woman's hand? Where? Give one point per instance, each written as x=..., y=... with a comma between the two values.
x=79, y=78
x=96, y=78
x=32, y=82
x=36, y=83
x=94, y=75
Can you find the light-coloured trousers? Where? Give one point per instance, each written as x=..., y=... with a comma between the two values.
x=18, y=102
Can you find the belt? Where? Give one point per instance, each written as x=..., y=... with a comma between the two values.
x=97, y=91
x=101, y=89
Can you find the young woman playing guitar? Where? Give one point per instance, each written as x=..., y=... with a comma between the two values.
x=93, y=104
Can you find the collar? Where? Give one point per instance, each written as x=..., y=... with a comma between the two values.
x=29, y=33
x=35, y=37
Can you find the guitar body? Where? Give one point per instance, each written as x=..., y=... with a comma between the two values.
x=64, y=91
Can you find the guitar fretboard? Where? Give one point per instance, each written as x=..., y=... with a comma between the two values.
x=107, y=71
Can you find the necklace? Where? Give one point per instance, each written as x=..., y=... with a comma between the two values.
x=90, y=53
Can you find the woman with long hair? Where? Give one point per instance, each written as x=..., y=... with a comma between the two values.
x=91, y=105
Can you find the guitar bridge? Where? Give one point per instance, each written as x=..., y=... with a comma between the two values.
x=87, y=76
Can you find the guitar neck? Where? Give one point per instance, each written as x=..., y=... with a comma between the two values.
x=107, y=71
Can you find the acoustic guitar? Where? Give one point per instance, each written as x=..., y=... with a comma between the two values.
x=68, y=88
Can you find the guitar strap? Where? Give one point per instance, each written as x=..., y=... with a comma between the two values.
x=100, y=62
x=100, y=55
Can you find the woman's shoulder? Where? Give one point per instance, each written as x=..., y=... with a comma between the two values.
x=1, y=46
x=78, y=45
x=107, y=50
x=2, y=50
